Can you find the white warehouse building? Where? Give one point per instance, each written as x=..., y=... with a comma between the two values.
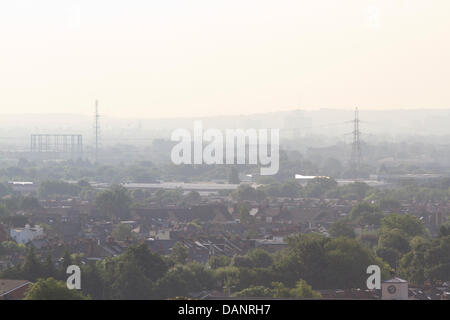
x=27, y=234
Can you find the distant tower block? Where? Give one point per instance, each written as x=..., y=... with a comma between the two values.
x=96, y=130
x=56, y=146
x=356, y=145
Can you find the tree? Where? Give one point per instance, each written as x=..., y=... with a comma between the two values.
x=242, y=262
x=133, y=274
x=114, y=202
x=233, y=176
x=219, y=261
x=392, y=245
x=408, y=224
x=4, y=212
x=244, y=214
x=260, y=258
x=280, y=290
x=152, y=264
x=55, y=187
x=366, y=213
x=11, y=247
x=4, y=190
x=93, y=283
x=389, y=204
x=394, y=239
x=51, y=289
x=290, y=189
x=347, y=262
x=183, y=279
x=66, y=262
x=363, y=208
x=193, y=197
x=123, y=232
x=341, y=228
x=326, y=263
x=246, y=193
x=49, y=267
x=305, y=258
x=427, y=260
x=255, y=292
x=131, y=282
x=412, y=264
x=317, y=187
x=303, y=290
x=179, y=253
x=32, y=268
x=437, y=259
x=30, y=204
x=444, y=230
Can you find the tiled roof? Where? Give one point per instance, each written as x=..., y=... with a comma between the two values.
x=395, y=280
x=7, y=286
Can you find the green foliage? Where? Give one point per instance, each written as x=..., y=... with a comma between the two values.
x=4, y=212
x=130, y=281
x=352, y=191
x=132, y=275
x=11, y=247
x=5, y=190
x=246, y=193
x=32, y=268
x=302, y=290
x=49, y=266
x=444, y=230
x=219, y=261
x=318, y=187
x=123, y=232
x=427, y=260
x=389, y=204
x=151, y=263
x=260, y=258
x=184, y=279
x=363, y=208
x=179, y=253
x=56, y=187
x=114, y=202
x=255, y=292
x=193, y=197
x=408, y=224
x=244, y=215
x=93, y=282
x=287, y=189
x=51, y=289
x=30, y=204
x=366, y=213
x=233, y=176
x=347, y=261
x=168, y=196
x=395, y=239
x=326, y=263
x=437, y=258
x=342, y=228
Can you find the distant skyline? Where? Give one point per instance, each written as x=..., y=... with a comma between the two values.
x=204, y=58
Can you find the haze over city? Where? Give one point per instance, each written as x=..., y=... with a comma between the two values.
x=254, y=150
x=206, y=58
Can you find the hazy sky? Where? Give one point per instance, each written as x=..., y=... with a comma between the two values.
x=209, y=57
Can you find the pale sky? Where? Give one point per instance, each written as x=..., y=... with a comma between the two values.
x=176, y=58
